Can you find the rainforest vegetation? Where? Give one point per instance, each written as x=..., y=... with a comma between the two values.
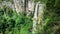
x=12, y=22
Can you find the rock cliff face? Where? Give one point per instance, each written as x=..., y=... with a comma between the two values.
x=30, y=8
x=20, y=5
x=24, y=5
x=8, y=4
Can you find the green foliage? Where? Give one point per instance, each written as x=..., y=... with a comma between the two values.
x=52, y=18
x=6, y=1
x=20, y=24
x=17, y=24
x=41, y=1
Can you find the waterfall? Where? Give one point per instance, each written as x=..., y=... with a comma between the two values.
x=38, y=16
x=35, y=19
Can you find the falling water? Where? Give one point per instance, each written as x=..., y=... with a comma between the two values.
x=38, y=15
x=35, y=19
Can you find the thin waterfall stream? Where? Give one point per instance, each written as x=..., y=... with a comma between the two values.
x=35, y=19
x=38, y=16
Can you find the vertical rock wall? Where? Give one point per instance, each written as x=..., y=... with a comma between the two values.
x=24, y=5
x=19, y=5
x=30, y=7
